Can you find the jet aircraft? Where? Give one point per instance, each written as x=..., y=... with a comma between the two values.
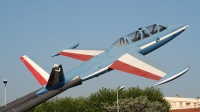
x=127, y=54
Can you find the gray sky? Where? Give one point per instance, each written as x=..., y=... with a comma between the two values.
x=41, y=28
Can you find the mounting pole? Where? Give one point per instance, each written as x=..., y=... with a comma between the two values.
x=5, y=81
x=120, y=88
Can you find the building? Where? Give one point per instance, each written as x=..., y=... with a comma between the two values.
x=179, y=104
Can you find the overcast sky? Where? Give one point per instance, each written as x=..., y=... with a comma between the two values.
x=41, y=28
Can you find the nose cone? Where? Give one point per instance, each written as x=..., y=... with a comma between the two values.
x=179, y=27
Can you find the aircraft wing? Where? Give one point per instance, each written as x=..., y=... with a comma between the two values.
x=83, y=55
x=140, y=65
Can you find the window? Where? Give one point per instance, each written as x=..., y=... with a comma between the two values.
x=188, y=104
x=195, y=105
x=145, y=34
x=181, y=104
x=135, y=36
x=127, y=41
x=161, y=28
x=152, y=29
x=173, y=104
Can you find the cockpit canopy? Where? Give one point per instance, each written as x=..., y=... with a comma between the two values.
x=142, y=33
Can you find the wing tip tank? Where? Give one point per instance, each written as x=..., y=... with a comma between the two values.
x=173, y=75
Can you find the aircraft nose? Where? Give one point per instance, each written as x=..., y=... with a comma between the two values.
x=184, y=26
x=179, y=27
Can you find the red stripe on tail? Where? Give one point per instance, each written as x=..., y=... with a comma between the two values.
x=36, y=74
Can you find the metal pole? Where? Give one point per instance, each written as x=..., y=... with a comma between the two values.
x=5, y=95
x=122, y=87
x=44, y=97
x=198, y=103
x=117, y=102
x=5, y=81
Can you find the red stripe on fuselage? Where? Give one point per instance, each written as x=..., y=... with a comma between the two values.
x=40, y=79
x=77, y=56
x=118, y=65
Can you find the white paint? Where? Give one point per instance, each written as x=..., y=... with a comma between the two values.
x=182, y=103
x=147, y=45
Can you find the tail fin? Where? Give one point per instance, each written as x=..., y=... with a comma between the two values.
x=56, y=76
x=39, y=73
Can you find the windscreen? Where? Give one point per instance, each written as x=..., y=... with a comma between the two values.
x=119, y=42
x=162, y=28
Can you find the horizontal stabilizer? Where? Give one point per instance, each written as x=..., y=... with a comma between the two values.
x=70, y=46
x=55, y=55
x=173, y=75
x=82, y=55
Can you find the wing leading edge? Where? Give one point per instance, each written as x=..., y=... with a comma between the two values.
x=140, y=65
